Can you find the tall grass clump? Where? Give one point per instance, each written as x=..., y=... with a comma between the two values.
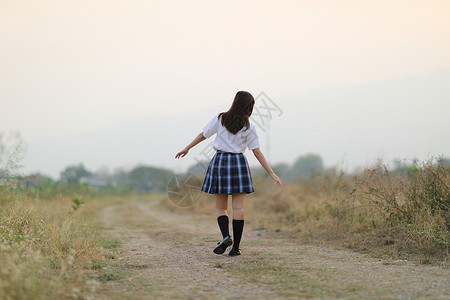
x=406, y=212
x=47, y=248
x=402, y=213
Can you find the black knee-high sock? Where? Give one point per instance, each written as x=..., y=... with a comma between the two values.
x=223, y=225
x=238, y=228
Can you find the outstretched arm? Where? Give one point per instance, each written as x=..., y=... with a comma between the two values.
x=185, y=151
x=262, y=160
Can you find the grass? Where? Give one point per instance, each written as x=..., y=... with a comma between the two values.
x=48, y=249
x=108, y=276
x=52, y=248
x=110, y=243
x=288, y=277
x=401, y=214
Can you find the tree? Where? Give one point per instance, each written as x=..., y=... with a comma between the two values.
x=72, y=174
x=306, y=166
x=281, y=169
x=144, y=179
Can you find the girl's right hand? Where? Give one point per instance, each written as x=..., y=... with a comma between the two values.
x=182, y=153
x=276, y=179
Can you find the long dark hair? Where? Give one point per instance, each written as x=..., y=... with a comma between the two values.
x=237, y=117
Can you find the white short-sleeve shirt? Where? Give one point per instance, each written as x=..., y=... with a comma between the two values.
x=228, y=142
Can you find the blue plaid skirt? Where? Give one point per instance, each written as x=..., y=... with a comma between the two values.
x=228, y=173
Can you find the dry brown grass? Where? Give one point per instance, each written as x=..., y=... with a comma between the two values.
x=385, y=213
x=47, y=249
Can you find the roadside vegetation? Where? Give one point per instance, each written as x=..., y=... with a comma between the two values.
x=402, y=213
x=52, y=246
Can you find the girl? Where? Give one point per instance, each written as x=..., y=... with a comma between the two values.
x=228, y=172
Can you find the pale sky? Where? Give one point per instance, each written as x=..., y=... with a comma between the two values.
x=71, y=67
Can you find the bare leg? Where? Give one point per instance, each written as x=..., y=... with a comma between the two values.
x=238, y=206
x=221, y=204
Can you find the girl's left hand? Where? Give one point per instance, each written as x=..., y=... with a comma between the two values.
x=182, y=153
x=276, y=179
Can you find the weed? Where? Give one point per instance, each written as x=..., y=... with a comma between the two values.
x=110, y=243
x=76, y=203
x=97, y=266
x=108, y=276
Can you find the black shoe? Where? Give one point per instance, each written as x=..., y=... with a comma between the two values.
x=222, y=246
x=234, y=252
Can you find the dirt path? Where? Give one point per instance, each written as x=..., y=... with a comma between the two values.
x=165, y=254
